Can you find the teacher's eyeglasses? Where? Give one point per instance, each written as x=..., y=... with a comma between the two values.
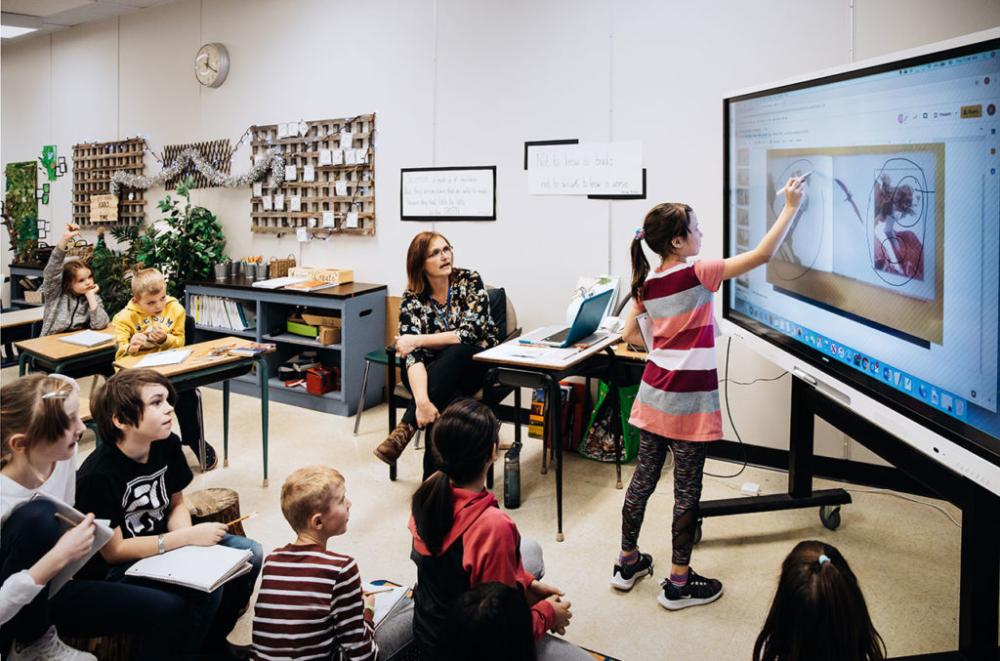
x=437, y=252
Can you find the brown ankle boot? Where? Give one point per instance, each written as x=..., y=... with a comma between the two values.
x=390, y=449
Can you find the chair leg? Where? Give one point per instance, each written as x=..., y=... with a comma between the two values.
x=392, y=471
x=361, y=402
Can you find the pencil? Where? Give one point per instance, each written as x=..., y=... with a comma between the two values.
x=67, y=520
x=242, y=518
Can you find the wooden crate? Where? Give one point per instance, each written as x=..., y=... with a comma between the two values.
x=320, y=195
x=216, y=152
x=93, y=165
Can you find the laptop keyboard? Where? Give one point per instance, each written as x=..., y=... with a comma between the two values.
x=558, y=337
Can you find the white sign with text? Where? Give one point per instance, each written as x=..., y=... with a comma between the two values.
x=596, y=168
x=448, y=193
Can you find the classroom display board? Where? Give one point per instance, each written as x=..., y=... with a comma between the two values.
x=329, y=184
x=216, y=152
x=93, y=165
x=454, y=193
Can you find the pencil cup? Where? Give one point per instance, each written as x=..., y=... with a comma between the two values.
x=222, y=271
x=262, y=270
x=251, y=271
x=234, y=269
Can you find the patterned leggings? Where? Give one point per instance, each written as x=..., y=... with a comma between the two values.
x=689, y=460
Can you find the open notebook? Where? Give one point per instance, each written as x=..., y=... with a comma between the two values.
x=387, y=596
x=202, y=568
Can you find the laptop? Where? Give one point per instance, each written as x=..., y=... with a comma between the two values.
x=588, y=319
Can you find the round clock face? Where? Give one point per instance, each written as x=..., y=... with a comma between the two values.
x=211, y=65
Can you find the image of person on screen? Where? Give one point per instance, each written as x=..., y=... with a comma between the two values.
x=896, y=251
x=677, y=406
x=444, y=320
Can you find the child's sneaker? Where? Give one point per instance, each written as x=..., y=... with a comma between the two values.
x=625, y=576
x=48, y=648
x=698, y=592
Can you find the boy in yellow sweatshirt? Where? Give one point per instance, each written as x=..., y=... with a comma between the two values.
x=151, y=322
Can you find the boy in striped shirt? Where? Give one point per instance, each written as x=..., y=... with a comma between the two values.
x=310, y=602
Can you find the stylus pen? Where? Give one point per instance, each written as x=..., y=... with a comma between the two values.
x=801, y=179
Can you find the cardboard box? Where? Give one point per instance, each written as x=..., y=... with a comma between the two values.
x=336, y=276
x=321, y=320
x=328, y=335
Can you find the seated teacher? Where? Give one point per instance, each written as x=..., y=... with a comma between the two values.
x=444, y=319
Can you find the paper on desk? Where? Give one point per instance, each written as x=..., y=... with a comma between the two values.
x=161, y=358
x=87, y=338
x=515, y=351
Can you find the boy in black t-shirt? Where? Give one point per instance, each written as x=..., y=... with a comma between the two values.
x=135, y=479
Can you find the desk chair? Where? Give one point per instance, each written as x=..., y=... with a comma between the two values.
x=502, y=311
x=399, y=398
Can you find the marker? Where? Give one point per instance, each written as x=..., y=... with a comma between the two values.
x=801, y=179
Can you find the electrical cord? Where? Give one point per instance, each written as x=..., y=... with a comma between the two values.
x=729, y=414
x=881, y=492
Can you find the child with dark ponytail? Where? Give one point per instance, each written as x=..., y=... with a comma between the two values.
x=677, y=407
x=818, y=612
x=461, y=539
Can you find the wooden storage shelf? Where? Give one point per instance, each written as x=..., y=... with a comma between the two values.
x=94, y=163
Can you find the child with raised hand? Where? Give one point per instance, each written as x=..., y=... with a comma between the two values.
x=677, y=406
x=818, y=612
x=41, y=429
x=135, y=479
x=311, y=602
x=462, y=539
x=153, y=321
x=69, y=291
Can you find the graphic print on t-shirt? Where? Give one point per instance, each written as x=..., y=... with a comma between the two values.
x=145, y=503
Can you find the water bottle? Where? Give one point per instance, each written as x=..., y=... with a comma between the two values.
x=512, y=477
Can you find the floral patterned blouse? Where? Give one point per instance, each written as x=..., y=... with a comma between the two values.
x=467, y=312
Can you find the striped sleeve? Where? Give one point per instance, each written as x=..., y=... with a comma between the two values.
x=310, y=605
x=709, y=273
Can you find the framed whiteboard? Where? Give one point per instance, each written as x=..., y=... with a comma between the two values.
x=452, y=193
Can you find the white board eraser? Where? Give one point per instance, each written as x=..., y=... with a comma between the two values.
x=750, y=488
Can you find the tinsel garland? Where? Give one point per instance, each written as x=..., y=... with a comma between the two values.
x=272, y=162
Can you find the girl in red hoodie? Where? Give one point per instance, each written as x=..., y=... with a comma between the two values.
x=462, y=539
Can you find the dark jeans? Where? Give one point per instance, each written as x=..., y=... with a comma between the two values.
x=189, y=416
x=450, y=374
x=84, y=609
x=210, y=615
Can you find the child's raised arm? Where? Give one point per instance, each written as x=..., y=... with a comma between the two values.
x=768, y=246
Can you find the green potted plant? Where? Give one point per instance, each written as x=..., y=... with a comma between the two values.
x=190, y=246
x=112, y=268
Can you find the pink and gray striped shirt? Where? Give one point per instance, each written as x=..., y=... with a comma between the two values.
x=679, y=394
x=309, y=605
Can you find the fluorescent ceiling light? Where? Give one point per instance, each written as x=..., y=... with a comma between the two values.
x=10, y=31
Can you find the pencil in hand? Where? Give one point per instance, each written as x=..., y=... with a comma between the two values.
x=241, y=519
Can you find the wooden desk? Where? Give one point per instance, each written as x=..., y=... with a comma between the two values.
x=17, y=318
x=57, y=355
x=203, y=368
x=513, y=366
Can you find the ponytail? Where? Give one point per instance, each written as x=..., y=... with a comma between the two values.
x=463, y=442
x=640, y=267
x=660, y=227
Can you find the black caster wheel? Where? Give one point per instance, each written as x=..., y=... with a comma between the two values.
x=830, y=516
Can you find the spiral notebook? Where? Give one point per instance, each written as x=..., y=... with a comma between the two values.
x=202, y=568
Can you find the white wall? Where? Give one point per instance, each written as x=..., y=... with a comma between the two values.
x=462, y=82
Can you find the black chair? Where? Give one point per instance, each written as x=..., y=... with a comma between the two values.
x=502, y=311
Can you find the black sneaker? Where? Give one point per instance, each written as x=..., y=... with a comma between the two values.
x=624, y=576
x=698, y=592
